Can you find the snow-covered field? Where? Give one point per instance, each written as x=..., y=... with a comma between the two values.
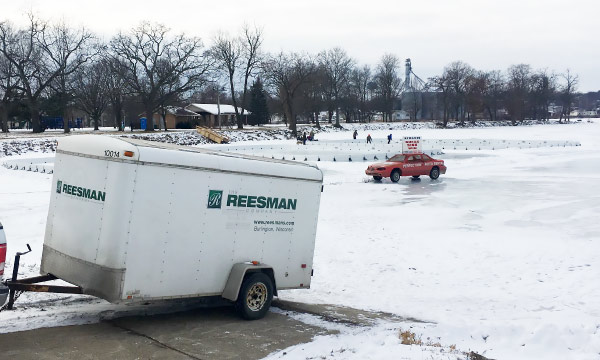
x=501, y=255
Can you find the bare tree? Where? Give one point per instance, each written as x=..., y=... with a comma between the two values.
x=240, y=54
x=67, y=51
x=324, y=91
x=543, y=91
x=457, y=74
x=156, y=66
x=252, y=41
x=91, y=91
x=363, y=79
x=20, y=48
x=442, y=85
x=42, y=56
x=337, y=66
x=518, y=88
x=475, y=85
x=493, y=91
x=286, y=74
x=389, y=83
x=8, y=90
x=117, y=90
x=168, y=98
x=313, y=94
x=359, y=88
x=567, y=93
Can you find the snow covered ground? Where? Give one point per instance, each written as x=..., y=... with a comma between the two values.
x=501, y=255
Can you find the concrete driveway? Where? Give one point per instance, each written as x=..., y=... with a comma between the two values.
x=207, y=333
x=216, y=333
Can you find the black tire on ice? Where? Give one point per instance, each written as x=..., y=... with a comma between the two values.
x=434, y=173
x=377, y=178
x=416, y=176
x=256, y=294
x=395, y=175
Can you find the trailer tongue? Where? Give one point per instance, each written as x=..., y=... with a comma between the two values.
x=135, y=221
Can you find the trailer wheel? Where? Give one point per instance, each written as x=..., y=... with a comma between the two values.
x=395, y=176
x=255, y=296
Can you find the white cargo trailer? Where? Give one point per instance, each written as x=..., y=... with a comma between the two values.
x=132, y=220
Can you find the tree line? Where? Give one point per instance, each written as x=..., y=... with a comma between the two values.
x=47, y=68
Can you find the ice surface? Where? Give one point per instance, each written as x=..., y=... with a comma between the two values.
x=501, y=253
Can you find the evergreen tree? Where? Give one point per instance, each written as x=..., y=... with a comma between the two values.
x=259, y=112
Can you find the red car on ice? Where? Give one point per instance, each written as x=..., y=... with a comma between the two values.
x=413, y=165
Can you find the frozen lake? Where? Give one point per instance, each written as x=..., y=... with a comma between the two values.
x=501, y=254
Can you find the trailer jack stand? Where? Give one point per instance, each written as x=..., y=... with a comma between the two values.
x=11, y=294
x=31, y=284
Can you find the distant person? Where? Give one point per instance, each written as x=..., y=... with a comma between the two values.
x=369, y=139
x=389, y=138
x=304, y=138
x=311, y=137
x=355, y=134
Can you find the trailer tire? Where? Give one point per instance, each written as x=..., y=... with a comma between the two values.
x=256, y=294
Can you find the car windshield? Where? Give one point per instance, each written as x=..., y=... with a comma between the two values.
x=397, y=158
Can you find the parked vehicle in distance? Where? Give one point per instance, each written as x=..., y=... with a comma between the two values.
x=413, y=165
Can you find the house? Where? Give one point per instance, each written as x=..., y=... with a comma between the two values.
x=175, y=115
x=210, y=114
x=554, y=110
x=588, y=113
x=399, y=115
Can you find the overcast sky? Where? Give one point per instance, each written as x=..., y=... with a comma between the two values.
x=487, y=34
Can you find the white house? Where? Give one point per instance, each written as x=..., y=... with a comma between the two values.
x=399, y=115
x=210, y=113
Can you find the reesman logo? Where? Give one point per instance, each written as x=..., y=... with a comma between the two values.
x=214, y=199
x=79, y=191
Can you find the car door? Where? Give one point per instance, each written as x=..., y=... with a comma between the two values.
x=418, y=165
x=427, y=164
x=411, y=165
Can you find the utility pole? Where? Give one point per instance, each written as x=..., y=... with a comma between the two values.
x=219, y=106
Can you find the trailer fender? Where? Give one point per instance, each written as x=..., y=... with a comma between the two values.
x=237, y=274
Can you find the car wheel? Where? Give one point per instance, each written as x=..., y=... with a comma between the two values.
x=395, y=175
x=416, y=176
x=434, y=173
x=377, y=178
x=255, y=296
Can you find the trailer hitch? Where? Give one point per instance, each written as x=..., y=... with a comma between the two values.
x=11, y=294
x=32, y=284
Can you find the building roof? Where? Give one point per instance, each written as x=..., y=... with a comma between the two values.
x=173, y=110
x=214, y=109
x=179, y=111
